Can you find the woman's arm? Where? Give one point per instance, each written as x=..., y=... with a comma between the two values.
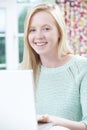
x=72, y=125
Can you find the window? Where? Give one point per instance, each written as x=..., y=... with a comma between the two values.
x=2, y=38
x=21, y=18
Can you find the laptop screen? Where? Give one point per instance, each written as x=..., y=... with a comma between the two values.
x=17, y=107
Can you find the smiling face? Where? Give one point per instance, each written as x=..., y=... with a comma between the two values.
x=43, y=34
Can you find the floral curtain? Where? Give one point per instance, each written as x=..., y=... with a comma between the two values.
x=75, y=13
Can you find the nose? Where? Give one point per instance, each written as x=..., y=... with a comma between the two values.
x=39, y=34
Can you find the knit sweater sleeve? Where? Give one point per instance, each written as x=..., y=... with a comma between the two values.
x=83, y=97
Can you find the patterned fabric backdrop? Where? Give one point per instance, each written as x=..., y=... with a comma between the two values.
x=75, y=13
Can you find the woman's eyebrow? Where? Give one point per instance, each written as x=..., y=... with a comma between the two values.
x=46, y=25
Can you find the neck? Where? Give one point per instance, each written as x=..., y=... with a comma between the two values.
x=49, y=61
x=52, y=62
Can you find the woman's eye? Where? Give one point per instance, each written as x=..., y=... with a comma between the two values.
x=32, y=30
x=46, y=29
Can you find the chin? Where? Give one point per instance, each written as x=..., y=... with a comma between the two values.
x=41, y=53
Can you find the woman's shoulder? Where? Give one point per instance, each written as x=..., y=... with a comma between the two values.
x=76, y=60
x=80, y=59
x=80, y=63
x=78, y=66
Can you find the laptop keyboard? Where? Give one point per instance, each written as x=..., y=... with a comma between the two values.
x=44, y=126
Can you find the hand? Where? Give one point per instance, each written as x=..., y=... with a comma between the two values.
x=50, y=119
x=43, y=118
x=47, y=119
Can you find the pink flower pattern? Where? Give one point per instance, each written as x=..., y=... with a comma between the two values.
x=75, y=14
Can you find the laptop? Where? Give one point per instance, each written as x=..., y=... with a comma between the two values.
x=17, y=104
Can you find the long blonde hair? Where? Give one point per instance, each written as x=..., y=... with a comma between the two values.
x=31, y=59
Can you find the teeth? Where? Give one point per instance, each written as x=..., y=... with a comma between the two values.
x=40, y=44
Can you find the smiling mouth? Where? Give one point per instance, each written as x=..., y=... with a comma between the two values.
x=40, y=43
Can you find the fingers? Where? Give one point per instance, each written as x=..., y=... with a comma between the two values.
x=43, y=118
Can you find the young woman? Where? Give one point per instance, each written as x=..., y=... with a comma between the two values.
x=60, y=77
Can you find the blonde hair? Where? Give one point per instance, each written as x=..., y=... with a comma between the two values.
x=31, y=59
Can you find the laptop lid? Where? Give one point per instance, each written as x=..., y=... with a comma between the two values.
x=17, y=108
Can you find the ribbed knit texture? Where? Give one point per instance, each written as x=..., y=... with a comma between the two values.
x=62, y=91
